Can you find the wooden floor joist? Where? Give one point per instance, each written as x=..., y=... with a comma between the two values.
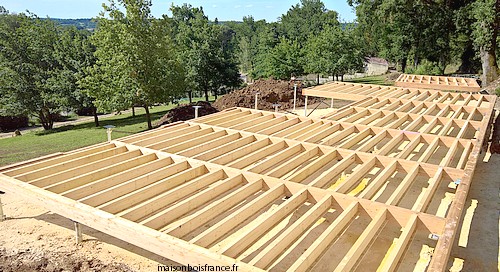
x=360, y=189
x=438, y=83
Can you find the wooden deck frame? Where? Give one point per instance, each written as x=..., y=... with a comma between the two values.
x=368, y=139
x=181, y=250
x=356, y=91
x=438, y=82
x=254, y=188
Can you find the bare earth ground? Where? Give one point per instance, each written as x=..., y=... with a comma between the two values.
x=33, y=239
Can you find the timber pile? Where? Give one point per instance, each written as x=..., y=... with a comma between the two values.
x=271, y=91
x=186, y=112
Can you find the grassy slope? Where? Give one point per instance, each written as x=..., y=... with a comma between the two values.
x=379, y=80
x=36, y=144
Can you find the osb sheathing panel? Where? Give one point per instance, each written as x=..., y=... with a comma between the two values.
x=269, y=191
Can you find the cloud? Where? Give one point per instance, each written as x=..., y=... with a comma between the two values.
x=237, y=6
x=249, y=6
x=269, y=7
x=214, y=6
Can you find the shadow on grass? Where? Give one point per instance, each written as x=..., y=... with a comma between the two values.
x=115, y=121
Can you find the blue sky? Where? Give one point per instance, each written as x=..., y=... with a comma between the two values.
x=222, y=9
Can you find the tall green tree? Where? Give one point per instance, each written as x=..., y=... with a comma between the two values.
x=486, y=27
x=136, y=58
x=33, y=79
x=406, y=31
x=76, y=53
x=333, y=52
x=207, y=51
x=306, y=19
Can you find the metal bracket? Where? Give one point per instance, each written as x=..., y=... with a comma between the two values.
x=434, y=236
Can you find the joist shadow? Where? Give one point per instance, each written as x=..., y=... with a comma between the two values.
x=476, y=245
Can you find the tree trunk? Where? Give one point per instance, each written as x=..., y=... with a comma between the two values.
x=490, y=66
x=133, y=111
x=495, y=138
x=403, y=65
x=342, y=77
x=46, y=119
x=190, y=95
x=96, y=118
x=206, y=95
x=317, y=80
x=468, y=63
x=215, y=95
x=148, y=116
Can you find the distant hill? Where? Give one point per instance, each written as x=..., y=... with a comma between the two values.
x=79, y=23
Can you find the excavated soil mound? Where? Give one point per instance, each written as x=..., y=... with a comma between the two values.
x=271, y=91
x=186, y=112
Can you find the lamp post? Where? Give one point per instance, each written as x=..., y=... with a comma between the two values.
x=109, y=129
x=196, y=108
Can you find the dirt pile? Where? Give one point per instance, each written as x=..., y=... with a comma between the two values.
x=270, y=91
x=186, y=112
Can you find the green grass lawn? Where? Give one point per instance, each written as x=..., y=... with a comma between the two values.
x=379, y=80
x=38, y=143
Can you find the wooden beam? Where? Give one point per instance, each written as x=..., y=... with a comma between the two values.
x=287, y=237
x=263, y=224
x=316, y=249
x=218, y=230
x=392, y=261
x=362, y=242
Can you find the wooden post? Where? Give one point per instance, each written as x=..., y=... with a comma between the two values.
x=294, y=95
x=256, y=97
x=2, y=217
x=305, y=106
x=78, y=232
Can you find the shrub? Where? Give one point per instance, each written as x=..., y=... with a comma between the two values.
x=13, y=122
x=426, y=68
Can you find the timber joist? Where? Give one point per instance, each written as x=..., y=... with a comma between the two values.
x=438, y=82
x=371, y=189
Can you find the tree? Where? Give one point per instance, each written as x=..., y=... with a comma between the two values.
x=32, y=77
x=76, y=53
x=334, y=52
x=485, y=32
x=307, y=19
x=285, y=60
x=207, y=51
x=136, y=60
x=406, y=31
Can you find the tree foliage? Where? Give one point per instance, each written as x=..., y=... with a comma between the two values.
x=37, y=67
x=207, y=51
x=136, y=59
